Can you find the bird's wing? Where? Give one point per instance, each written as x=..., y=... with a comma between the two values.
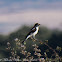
x=33, y=28
x=31, y=31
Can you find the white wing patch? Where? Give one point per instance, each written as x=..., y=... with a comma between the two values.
x=29, y=36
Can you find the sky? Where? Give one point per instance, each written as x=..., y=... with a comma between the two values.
x=16, y=13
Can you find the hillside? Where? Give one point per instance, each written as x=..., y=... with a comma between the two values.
x=54, y=38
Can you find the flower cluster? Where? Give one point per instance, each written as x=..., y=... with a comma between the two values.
x=28, y=55
x=9, y=46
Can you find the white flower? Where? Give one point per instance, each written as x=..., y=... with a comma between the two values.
x=16, y=39
x=8, y=43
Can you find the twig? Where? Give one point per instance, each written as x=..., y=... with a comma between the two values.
x=47, y=45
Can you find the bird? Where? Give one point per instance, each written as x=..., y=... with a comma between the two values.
x=32, y=32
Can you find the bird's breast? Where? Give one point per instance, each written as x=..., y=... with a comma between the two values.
x=37, y=28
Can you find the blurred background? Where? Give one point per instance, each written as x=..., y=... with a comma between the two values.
x=18, y=16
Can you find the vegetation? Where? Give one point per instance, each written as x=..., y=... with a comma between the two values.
x=47, y=47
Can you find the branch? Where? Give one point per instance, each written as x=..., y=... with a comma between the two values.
x=47, y=45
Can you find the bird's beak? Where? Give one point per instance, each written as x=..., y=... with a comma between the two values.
x=38, y=24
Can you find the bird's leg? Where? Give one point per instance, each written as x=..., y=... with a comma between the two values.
x=34, y=39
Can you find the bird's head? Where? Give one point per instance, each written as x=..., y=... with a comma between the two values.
x=37, y=24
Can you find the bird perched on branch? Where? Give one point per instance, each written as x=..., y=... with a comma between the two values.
x=32, y=32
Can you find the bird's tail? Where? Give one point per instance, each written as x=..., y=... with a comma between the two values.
x=23, y=41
